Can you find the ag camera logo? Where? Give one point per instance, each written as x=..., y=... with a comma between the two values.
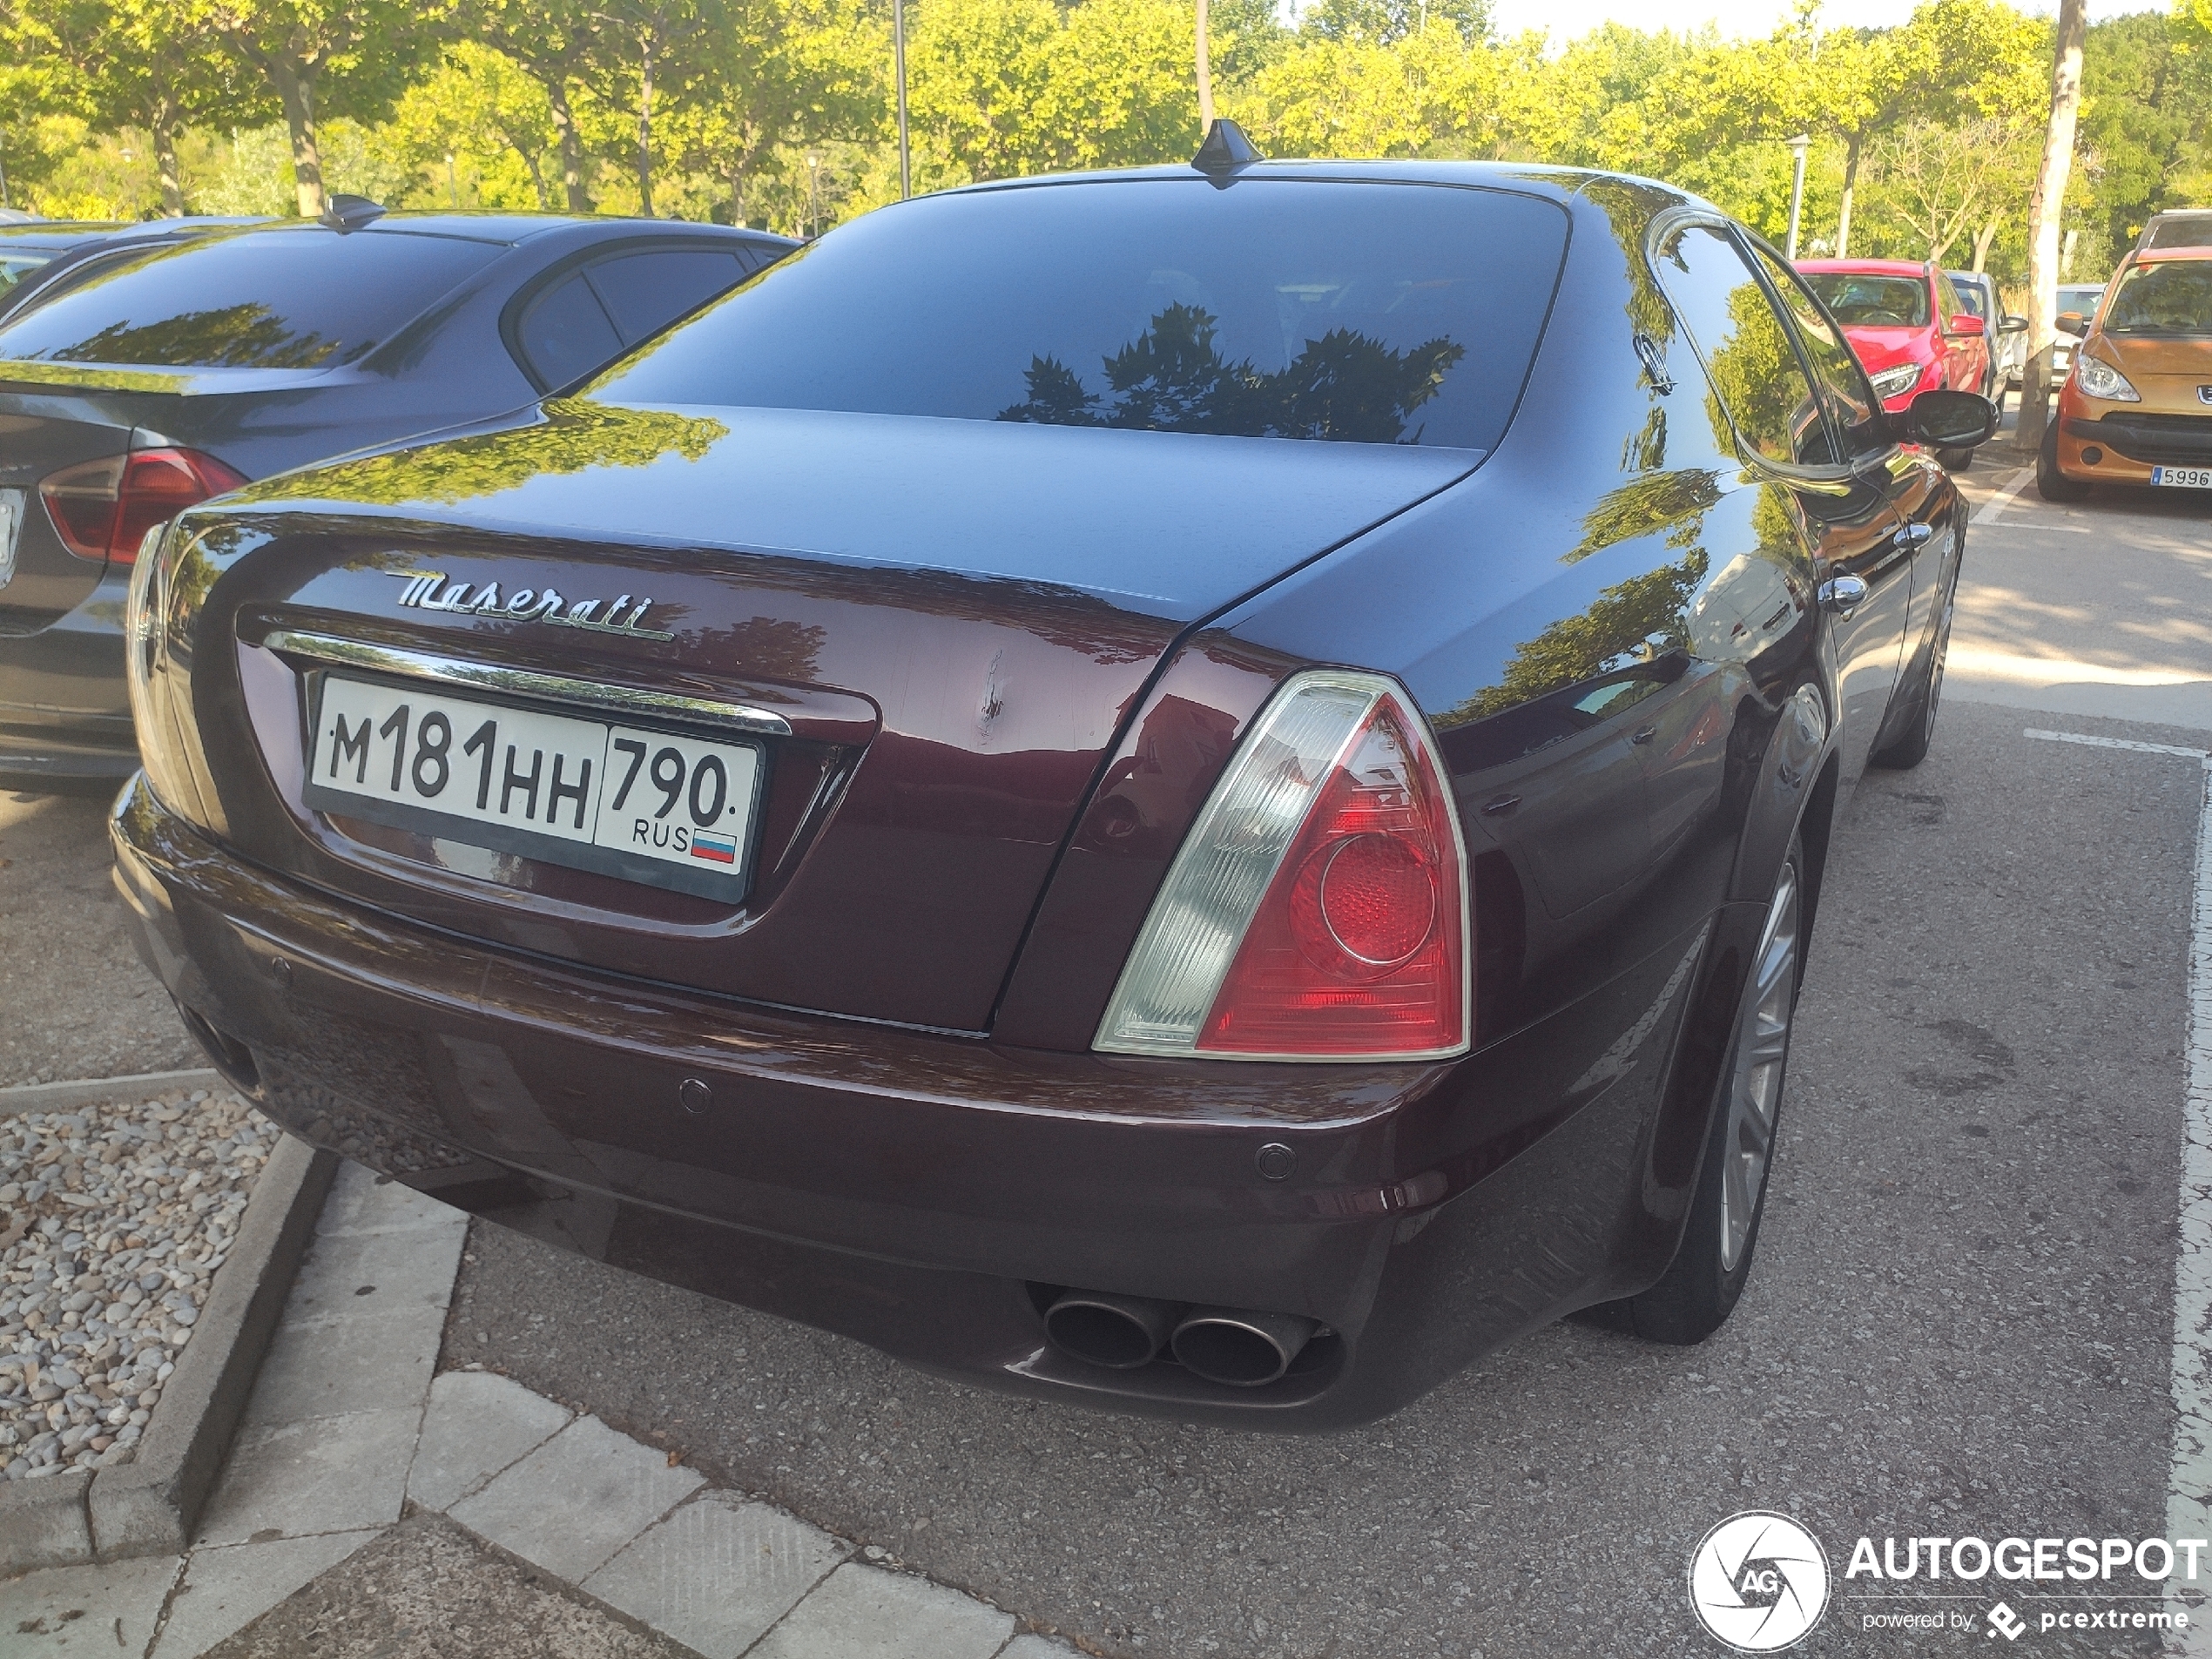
x=1758, y=1581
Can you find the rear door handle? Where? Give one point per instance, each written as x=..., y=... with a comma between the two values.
x=1913, y=537
x=1843, y=593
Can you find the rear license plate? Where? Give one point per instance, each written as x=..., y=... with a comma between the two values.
x=649, y=806
x=2183, y=477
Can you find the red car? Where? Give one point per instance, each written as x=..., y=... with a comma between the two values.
x=1910, y=327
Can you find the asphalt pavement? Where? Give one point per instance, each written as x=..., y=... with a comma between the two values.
x=1961, y=1324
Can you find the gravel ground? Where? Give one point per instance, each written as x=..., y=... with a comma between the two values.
x=117, y=1217
x=79, y=1004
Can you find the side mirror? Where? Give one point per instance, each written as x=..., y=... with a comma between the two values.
x=1968, y=324
x=2013, y=325
x=1947, y=420
x=2073, y=323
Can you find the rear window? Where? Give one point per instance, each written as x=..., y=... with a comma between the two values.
x=1863, y=301
x=15, y=265
x=303, y=298
x=1363, y=313
x=2181, y=230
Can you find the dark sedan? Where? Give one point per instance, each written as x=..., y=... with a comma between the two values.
x=162, y=365
x=35, y=254
x=1193, y=790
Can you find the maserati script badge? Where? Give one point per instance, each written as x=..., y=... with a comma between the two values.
x=429, y=590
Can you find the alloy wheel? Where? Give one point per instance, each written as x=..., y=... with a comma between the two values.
x=1754, y=1088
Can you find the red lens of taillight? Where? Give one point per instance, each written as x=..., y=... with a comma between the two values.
x=103, y=508
x=1359, y=946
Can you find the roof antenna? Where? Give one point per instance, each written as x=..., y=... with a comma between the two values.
x=1226, y=149
x=343, y=213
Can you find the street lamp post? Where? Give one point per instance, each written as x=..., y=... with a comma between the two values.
x=898, y=64
x=1797, y=148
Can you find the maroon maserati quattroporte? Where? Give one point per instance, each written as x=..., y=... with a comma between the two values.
x=1197, y=790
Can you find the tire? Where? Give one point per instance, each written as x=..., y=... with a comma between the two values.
x=1910, y=748
x=1955, y=460
x=2050, y=483
x=1699, y=1290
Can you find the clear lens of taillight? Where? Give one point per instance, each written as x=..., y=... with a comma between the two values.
x=1318, y=909
x=101, y=509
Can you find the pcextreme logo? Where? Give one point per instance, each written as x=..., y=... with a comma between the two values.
x=1758, y=1581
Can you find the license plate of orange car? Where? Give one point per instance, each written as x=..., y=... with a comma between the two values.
x=2183, y=477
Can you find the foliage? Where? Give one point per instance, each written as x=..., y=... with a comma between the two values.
x=778, y=111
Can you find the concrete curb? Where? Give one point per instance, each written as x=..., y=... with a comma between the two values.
x=56, y=1097
x=149, y=1505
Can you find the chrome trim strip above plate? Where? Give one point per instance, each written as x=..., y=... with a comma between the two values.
x=449, y=671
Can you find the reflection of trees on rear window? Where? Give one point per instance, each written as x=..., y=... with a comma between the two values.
x=2172, y=298
x=294, y=296
x=1370, y=313
x=1174, y=377
x=1872, y=301
x=241, y=336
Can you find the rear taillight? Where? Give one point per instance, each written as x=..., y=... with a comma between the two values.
x=1318, y=909
x=103, y=508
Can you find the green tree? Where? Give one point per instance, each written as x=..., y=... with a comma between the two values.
x=1385, y=22
x=141, y=63
x=321, y=57
x=1428, y=94
x=485, y=111
x=551, y=41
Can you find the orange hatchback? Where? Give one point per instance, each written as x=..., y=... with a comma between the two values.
x=2137, y=408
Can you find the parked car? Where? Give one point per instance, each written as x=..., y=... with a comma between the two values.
x=2006, y=333
x=2137, y=408
x=39, y=254
x=161, y=373
x=2075, y=299
x=1909, y=328
x=2177, y=227
x=1192, y=791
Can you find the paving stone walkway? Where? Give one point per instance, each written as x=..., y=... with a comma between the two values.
x=370, y=1506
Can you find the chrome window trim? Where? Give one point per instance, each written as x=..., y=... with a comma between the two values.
x=452, y=671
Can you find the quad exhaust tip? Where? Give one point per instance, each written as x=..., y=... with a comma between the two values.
x=1232, y=1346
x=1120, y=1332
x=1238, y=1347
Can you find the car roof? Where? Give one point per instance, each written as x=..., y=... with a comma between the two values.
x=511, y=228
x=1559, y=184
x=2169, y=255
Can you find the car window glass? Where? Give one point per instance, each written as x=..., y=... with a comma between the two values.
x=2173, y=297
x=1863, y=301
x=643, y=292
x=1293, y=308
x=1852, y=401
x=1966, y=297
x=1756, y=380
x=14, y=267
x=565, y=334
x=294, y=297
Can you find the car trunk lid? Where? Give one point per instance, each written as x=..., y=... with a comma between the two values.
x=951, y=617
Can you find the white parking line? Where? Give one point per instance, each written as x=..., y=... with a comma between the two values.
x=2189, y=1502
x=1990, y=510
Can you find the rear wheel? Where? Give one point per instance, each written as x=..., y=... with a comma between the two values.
x=1911, y=747
x=1701, y=1289
x=1955, y=460
x=2050, y=483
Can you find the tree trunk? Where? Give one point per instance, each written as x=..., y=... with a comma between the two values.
x=1851, y=184
x=645, y=125
x=537, y=177
x=1984, y=239
x=164, y=158
x=737, y=191
x=2043, y=211
x=557, y=94
x=1206, y=75
x=297, y=93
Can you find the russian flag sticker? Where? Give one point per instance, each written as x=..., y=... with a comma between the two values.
x=722, y=849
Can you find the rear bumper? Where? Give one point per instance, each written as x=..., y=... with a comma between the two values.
x=918, y=1191
x=64, y=710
